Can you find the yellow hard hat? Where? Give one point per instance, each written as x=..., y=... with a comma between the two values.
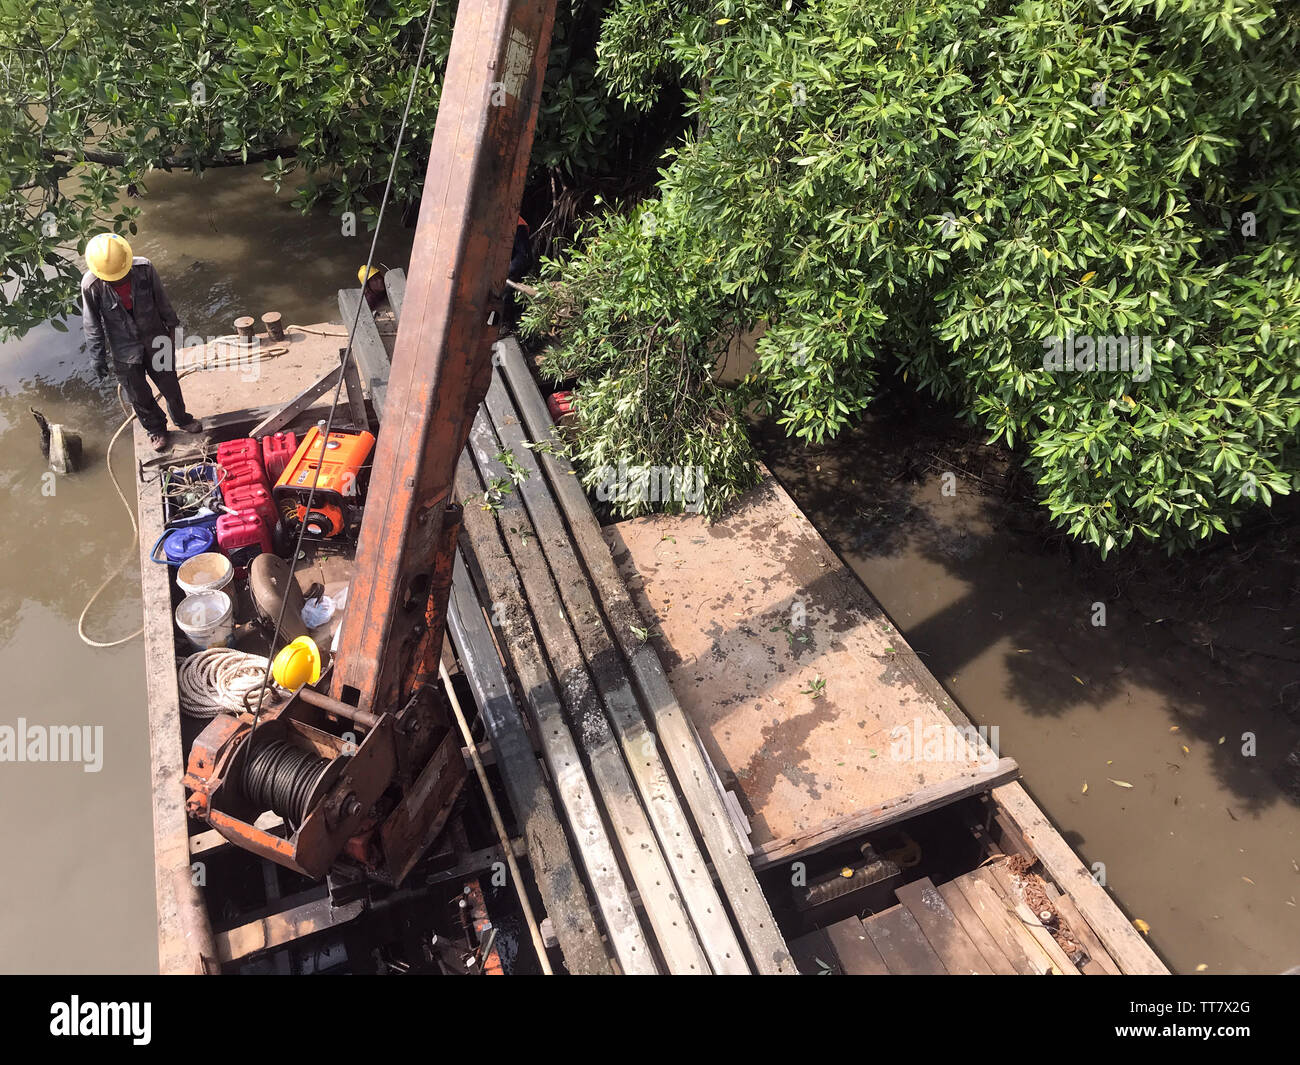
x=363, y=276
x=109, y=257
x=298, y=663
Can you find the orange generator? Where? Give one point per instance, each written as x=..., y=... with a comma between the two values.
x=336, y=503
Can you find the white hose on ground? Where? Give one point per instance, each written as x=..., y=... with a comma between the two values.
x=263, y=356
x=135, y=539
x=217, y=680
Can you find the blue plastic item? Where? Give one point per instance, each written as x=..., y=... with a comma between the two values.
x=183, y=543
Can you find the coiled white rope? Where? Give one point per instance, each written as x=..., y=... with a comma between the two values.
x=217, y=680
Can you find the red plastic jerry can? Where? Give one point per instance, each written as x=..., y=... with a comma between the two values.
x=245, y=449
x=239, y=472
x=277, y=450
x=242, y=537
x=256, y=498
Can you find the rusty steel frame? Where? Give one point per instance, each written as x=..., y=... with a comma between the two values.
x=442, y=361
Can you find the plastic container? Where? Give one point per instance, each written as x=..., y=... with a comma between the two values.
x=559, y=404
x=277, y=450
x=245, y=449
x=242, y=537
x=255, y=498
x=184, y=543
x=207, y=619
x=239, y=472
x=208, y=572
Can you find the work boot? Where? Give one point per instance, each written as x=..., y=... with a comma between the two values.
x=192, y=425
x=158, y=441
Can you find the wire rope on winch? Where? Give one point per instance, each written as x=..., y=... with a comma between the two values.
x=281, y=777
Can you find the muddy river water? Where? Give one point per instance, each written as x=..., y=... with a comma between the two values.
x=1203, y=846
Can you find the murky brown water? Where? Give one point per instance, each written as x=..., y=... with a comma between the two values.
x=1203, y=846
x=78, y=891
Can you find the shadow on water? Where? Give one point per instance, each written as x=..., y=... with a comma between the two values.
x=1189, y=693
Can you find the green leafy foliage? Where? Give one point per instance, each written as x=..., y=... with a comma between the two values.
x=94, y=96
x=938, y=190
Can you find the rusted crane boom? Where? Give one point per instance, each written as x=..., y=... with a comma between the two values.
x=382, y=799
x=442, y=365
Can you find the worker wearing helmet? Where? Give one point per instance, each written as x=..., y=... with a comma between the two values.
x=129, y=321
x=372, y=285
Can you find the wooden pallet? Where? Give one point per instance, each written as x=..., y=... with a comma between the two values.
x=975, y=925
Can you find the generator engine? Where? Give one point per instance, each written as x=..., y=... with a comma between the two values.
x=336, y=503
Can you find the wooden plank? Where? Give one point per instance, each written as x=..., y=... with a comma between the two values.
x=185, y=941
x=974, y=927
x=354, y=395
x=1083, y=933
x=663, y=905
x=856, y=952
x=682, y=747
x=1060, y=960
x=288, y=926
x=931, y=797
x=553, y=866
x=958, y=953
x=367, y=347
x=1040, y=958
x=294, y=409
x=608, y=671
x=988, y=905
x=490, y=565
x=902, y=944
x=1122, y=941
x=395, y=286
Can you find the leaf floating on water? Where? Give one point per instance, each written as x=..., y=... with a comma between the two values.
x=1173, y=728
x=1142, y=926
x=1202, y=967
x=1222, y=738
x=1085, y=788
x=1077, y=681
x=1119, y=783
x=1186, y=749
x=1248, y=881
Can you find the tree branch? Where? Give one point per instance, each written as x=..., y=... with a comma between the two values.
x=173, y=162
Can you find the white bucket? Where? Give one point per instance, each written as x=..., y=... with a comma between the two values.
x=208, y=572
x=207, y=618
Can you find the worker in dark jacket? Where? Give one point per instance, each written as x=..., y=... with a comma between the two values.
x=129, y=322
